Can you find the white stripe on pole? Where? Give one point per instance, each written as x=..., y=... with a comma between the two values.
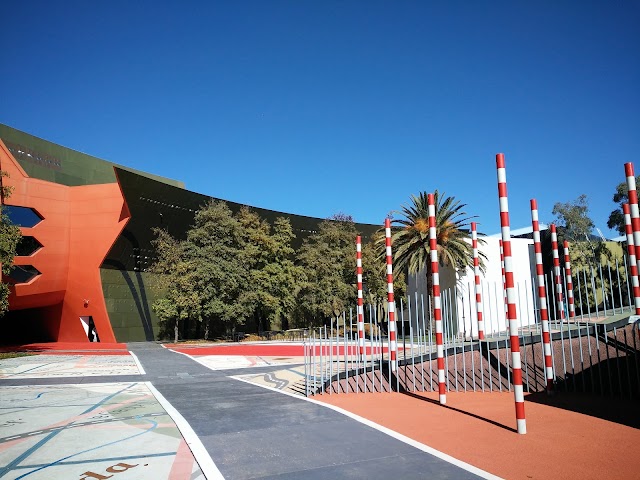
x=511, y=298
x=360, y=309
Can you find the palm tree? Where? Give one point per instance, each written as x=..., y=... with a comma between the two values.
x=410, y=236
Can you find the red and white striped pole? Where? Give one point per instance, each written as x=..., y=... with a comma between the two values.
x=567, y=274
x=437, y=308
x=476, y=271
x=511, y=296
x=556, y=272
x=360, y=311
x=393, y=345
x=633, y=207
x=504, y=283
x=633, y=268
x=542, y=296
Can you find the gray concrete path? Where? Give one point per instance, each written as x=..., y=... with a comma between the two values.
x=251, y=432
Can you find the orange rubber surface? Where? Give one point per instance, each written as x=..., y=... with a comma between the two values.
x=479, y=428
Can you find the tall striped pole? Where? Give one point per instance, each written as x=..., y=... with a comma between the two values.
x=360, y=311
x=437, y=308
x=542, y=296
x=567, y=274
x=504, y=282
x=556, y=272
x=393, y=345
x=511, y=296
x=476, y=271
x=633, y=207
x=633, y=267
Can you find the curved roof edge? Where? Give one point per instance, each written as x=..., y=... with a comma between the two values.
x=52, y=162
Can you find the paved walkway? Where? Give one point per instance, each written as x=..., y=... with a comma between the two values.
x=252, y=432
x=90, y=431
x=236, y=430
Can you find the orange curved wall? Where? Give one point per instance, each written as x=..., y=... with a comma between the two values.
x=79, y=227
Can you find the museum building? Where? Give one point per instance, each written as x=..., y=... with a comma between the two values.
x=81, y=270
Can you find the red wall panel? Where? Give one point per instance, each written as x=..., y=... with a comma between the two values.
x=79, y=226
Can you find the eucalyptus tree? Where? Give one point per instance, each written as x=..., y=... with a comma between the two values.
x=175, y=282
x=327, y=258
x=575, y=226
x=621, y=196
x=217, y=244
x=273, y=277
x=203, y=277
x=588, y=253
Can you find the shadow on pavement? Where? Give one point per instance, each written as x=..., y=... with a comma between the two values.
x=619, y=410
x=435, y=402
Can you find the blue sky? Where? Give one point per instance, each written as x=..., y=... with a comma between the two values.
x=323, y=107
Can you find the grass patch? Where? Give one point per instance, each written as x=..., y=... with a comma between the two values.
x=14, y=355
x=190, y=342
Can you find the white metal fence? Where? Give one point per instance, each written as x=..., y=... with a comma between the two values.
x=597, y=351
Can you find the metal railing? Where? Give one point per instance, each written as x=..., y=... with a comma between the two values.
x=587, y=356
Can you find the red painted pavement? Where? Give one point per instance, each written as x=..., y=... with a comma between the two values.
x=75, y=348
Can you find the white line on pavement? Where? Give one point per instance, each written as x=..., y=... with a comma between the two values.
x=138, y=364
x=208, y=467
x=398, y=436
x=195, y=359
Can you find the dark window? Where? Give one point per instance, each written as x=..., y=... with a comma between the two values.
x=22, y=274
x=27, y=246
x=22, y=216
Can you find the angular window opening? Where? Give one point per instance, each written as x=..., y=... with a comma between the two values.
x=22, y=216
x=27, y=246
x=22, y=274
x=90, y=328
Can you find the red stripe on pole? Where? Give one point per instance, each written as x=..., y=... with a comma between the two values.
x=542, y=298
x=511, y=296
x=556, y=272
x=631, y=250
x=360, y=311
x=437, y=312
x=476, y=272
x=567, y=274
x=504, y=281
x=393, y=346
x=633, y=208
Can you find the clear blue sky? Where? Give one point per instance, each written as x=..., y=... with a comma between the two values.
x=323, y=107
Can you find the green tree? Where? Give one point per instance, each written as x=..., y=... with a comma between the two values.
x=9, y=238
x=374, y=273
x=410, y=236
x=216, y=242
x=575, y=226
x=621, y=196
x=176, y=280
x=574, y=218
x=273, y=277
x=328, y=260
x=203, y=277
